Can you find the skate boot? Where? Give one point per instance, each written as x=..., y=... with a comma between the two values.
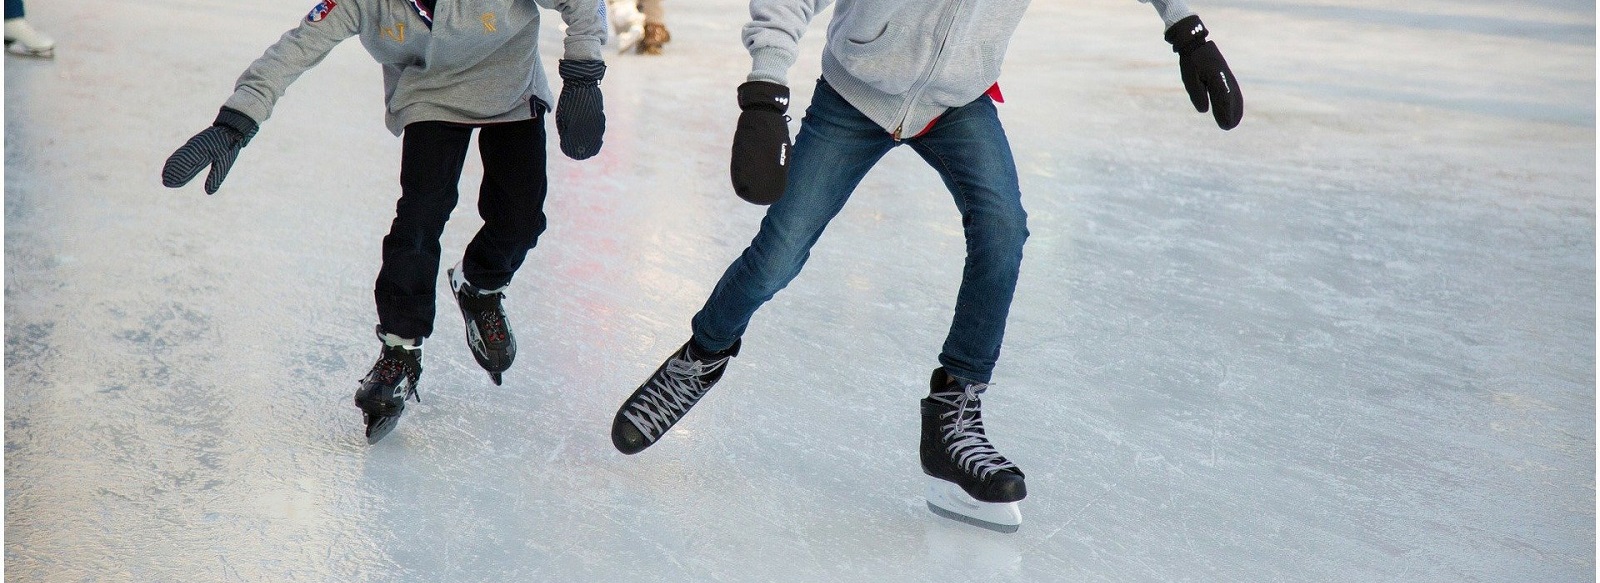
x=488, y=332
x=667, y=395
x=392, y=380
x=655, y=36
x=971, y=482
x=22, y=39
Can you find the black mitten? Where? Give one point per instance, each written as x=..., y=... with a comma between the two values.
x=760, y=166
x=1205, y=74
x=217, y=146
x=580, y=111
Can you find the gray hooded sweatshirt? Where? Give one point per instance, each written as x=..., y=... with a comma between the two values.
x=902, y=63
x=478, y=62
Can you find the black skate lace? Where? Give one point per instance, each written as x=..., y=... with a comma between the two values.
x=963, y=432
x=388, y=371
x=490, y=321
x=494, y=327
x=669, y=396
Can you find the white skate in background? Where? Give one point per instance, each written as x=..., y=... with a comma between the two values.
x=950, y=501
x=627, y=24
x=22, y=39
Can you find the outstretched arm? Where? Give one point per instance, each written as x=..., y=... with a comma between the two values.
x=255, y=93
x=300, y=49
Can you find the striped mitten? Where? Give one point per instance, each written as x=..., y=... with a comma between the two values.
x=217, y=146
x=580, y=111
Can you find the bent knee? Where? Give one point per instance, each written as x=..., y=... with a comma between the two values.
x=1005, y=226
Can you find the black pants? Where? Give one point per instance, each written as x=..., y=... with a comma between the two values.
x=510, y=200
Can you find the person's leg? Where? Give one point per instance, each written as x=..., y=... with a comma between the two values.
x=14, y=9
x=836, y=147
x=510, y=200
x=430, y=166
x=655, y=27
x=968, y=148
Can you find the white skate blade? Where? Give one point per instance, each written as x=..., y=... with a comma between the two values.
x=950, y=501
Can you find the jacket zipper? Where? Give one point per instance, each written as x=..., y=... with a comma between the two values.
x=946, y=22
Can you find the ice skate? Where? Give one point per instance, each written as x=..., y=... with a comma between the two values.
x=667, y=395
x=392, y=380
x=969, y=481
x=22, y=39
x=627, y=24
x=488, y=333
x=655, y=36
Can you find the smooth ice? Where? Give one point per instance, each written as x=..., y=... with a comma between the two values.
x=1351, y=340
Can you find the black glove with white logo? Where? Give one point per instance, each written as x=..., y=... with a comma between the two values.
x=760, y=165
x=580, y=111
x=1205, y=73
x=217, y=146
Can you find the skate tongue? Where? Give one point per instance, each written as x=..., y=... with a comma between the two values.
x=391, y=340
x=395, y=340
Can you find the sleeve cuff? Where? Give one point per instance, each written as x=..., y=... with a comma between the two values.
x=580, y=48
x=770, y=64
x=1171, y=11
x=247, y=103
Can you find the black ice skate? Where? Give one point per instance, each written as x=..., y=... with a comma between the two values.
x=971, y=481
x=488, y=333
x=392, y=380
x=667, y=395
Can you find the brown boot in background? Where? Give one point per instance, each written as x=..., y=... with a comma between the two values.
x=655, y=35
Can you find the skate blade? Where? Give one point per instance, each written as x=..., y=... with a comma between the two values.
x=380, y=426
x=494, y=376
x=950, y=501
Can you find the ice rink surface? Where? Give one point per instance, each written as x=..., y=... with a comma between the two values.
x=1351, y=340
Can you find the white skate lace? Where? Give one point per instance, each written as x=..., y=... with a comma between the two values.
x=963, y=433
x=669, y=395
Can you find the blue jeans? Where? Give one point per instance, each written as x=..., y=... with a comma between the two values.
x=836, y=147
x=14, y=9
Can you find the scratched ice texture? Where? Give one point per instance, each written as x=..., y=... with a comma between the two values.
x=1351, y=340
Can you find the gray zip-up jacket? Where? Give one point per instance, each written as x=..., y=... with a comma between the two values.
x=901, y=62
x=478, y=63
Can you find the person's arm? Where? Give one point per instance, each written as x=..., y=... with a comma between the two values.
x=580, y=109
x=297, y=51
x=760, y=163
x=256, y=91
x=773, y=36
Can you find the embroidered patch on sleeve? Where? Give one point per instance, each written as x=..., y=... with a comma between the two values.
x=321, y=10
